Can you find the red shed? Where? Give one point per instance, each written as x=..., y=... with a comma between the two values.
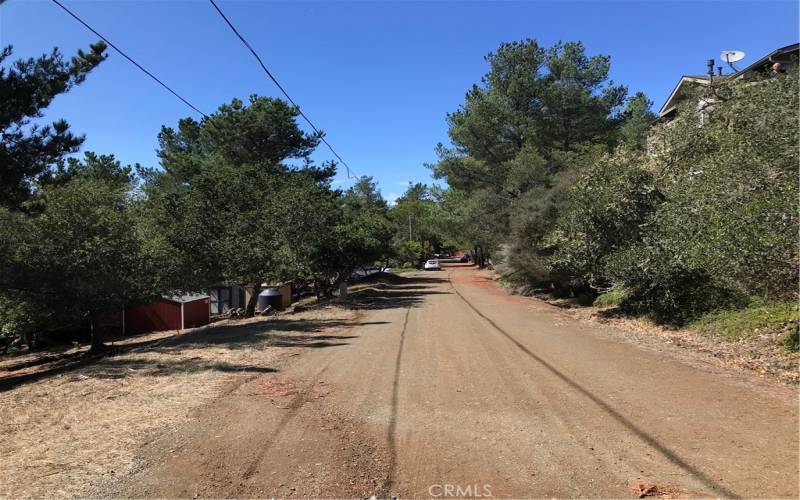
x=171, y=312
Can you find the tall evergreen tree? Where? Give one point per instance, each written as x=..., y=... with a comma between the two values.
x=519, y=138
x=29, y=150
x=231, y=201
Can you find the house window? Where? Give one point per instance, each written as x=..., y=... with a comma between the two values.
x=220, y=300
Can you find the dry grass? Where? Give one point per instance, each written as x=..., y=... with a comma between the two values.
x=760, y=353
x=72, y=430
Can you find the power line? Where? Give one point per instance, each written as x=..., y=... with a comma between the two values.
x=126, y=56
x=185, y=101
x=275, y=81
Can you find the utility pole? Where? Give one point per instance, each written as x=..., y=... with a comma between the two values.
x=410, y=236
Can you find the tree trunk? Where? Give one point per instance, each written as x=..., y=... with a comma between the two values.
x=252, y=303
x=97, y=336
x=476, y=256
x=29, y=339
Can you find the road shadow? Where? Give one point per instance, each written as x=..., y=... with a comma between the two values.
x=458, y=265
x=390, y=299
x=409, y=287
x=275, y=332
x=43, y=360
x=115, y=368
x=397, y=292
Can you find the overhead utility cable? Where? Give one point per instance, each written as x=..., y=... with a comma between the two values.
x=129, y=58
x=275, y=81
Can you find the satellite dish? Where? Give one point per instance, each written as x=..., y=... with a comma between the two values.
x=731, y=56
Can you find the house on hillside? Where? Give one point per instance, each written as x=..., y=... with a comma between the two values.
x=782, y=60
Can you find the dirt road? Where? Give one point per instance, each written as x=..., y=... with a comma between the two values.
x=450, y=387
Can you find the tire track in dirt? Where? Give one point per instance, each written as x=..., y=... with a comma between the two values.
x=391, y=431
x=649, y=440
x=294, y=406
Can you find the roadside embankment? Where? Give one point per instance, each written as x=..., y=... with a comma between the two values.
x=760, y=339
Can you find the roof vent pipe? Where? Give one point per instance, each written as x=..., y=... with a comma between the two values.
x=710, y=73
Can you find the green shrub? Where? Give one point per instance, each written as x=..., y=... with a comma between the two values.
x=608, y=210
x=791, y=339
x=661, y=283
x=525, y=267
x=613, y=297
x=756, y=318
x=709, y=219
x=408, y=252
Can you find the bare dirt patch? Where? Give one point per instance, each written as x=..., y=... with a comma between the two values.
x=643, y=490
x=69, y=423
x=276, y=436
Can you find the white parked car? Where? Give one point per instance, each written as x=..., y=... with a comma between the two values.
x=432, y=265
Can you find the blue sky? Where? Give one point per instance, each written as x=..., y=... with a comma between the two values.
x=378, y=77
